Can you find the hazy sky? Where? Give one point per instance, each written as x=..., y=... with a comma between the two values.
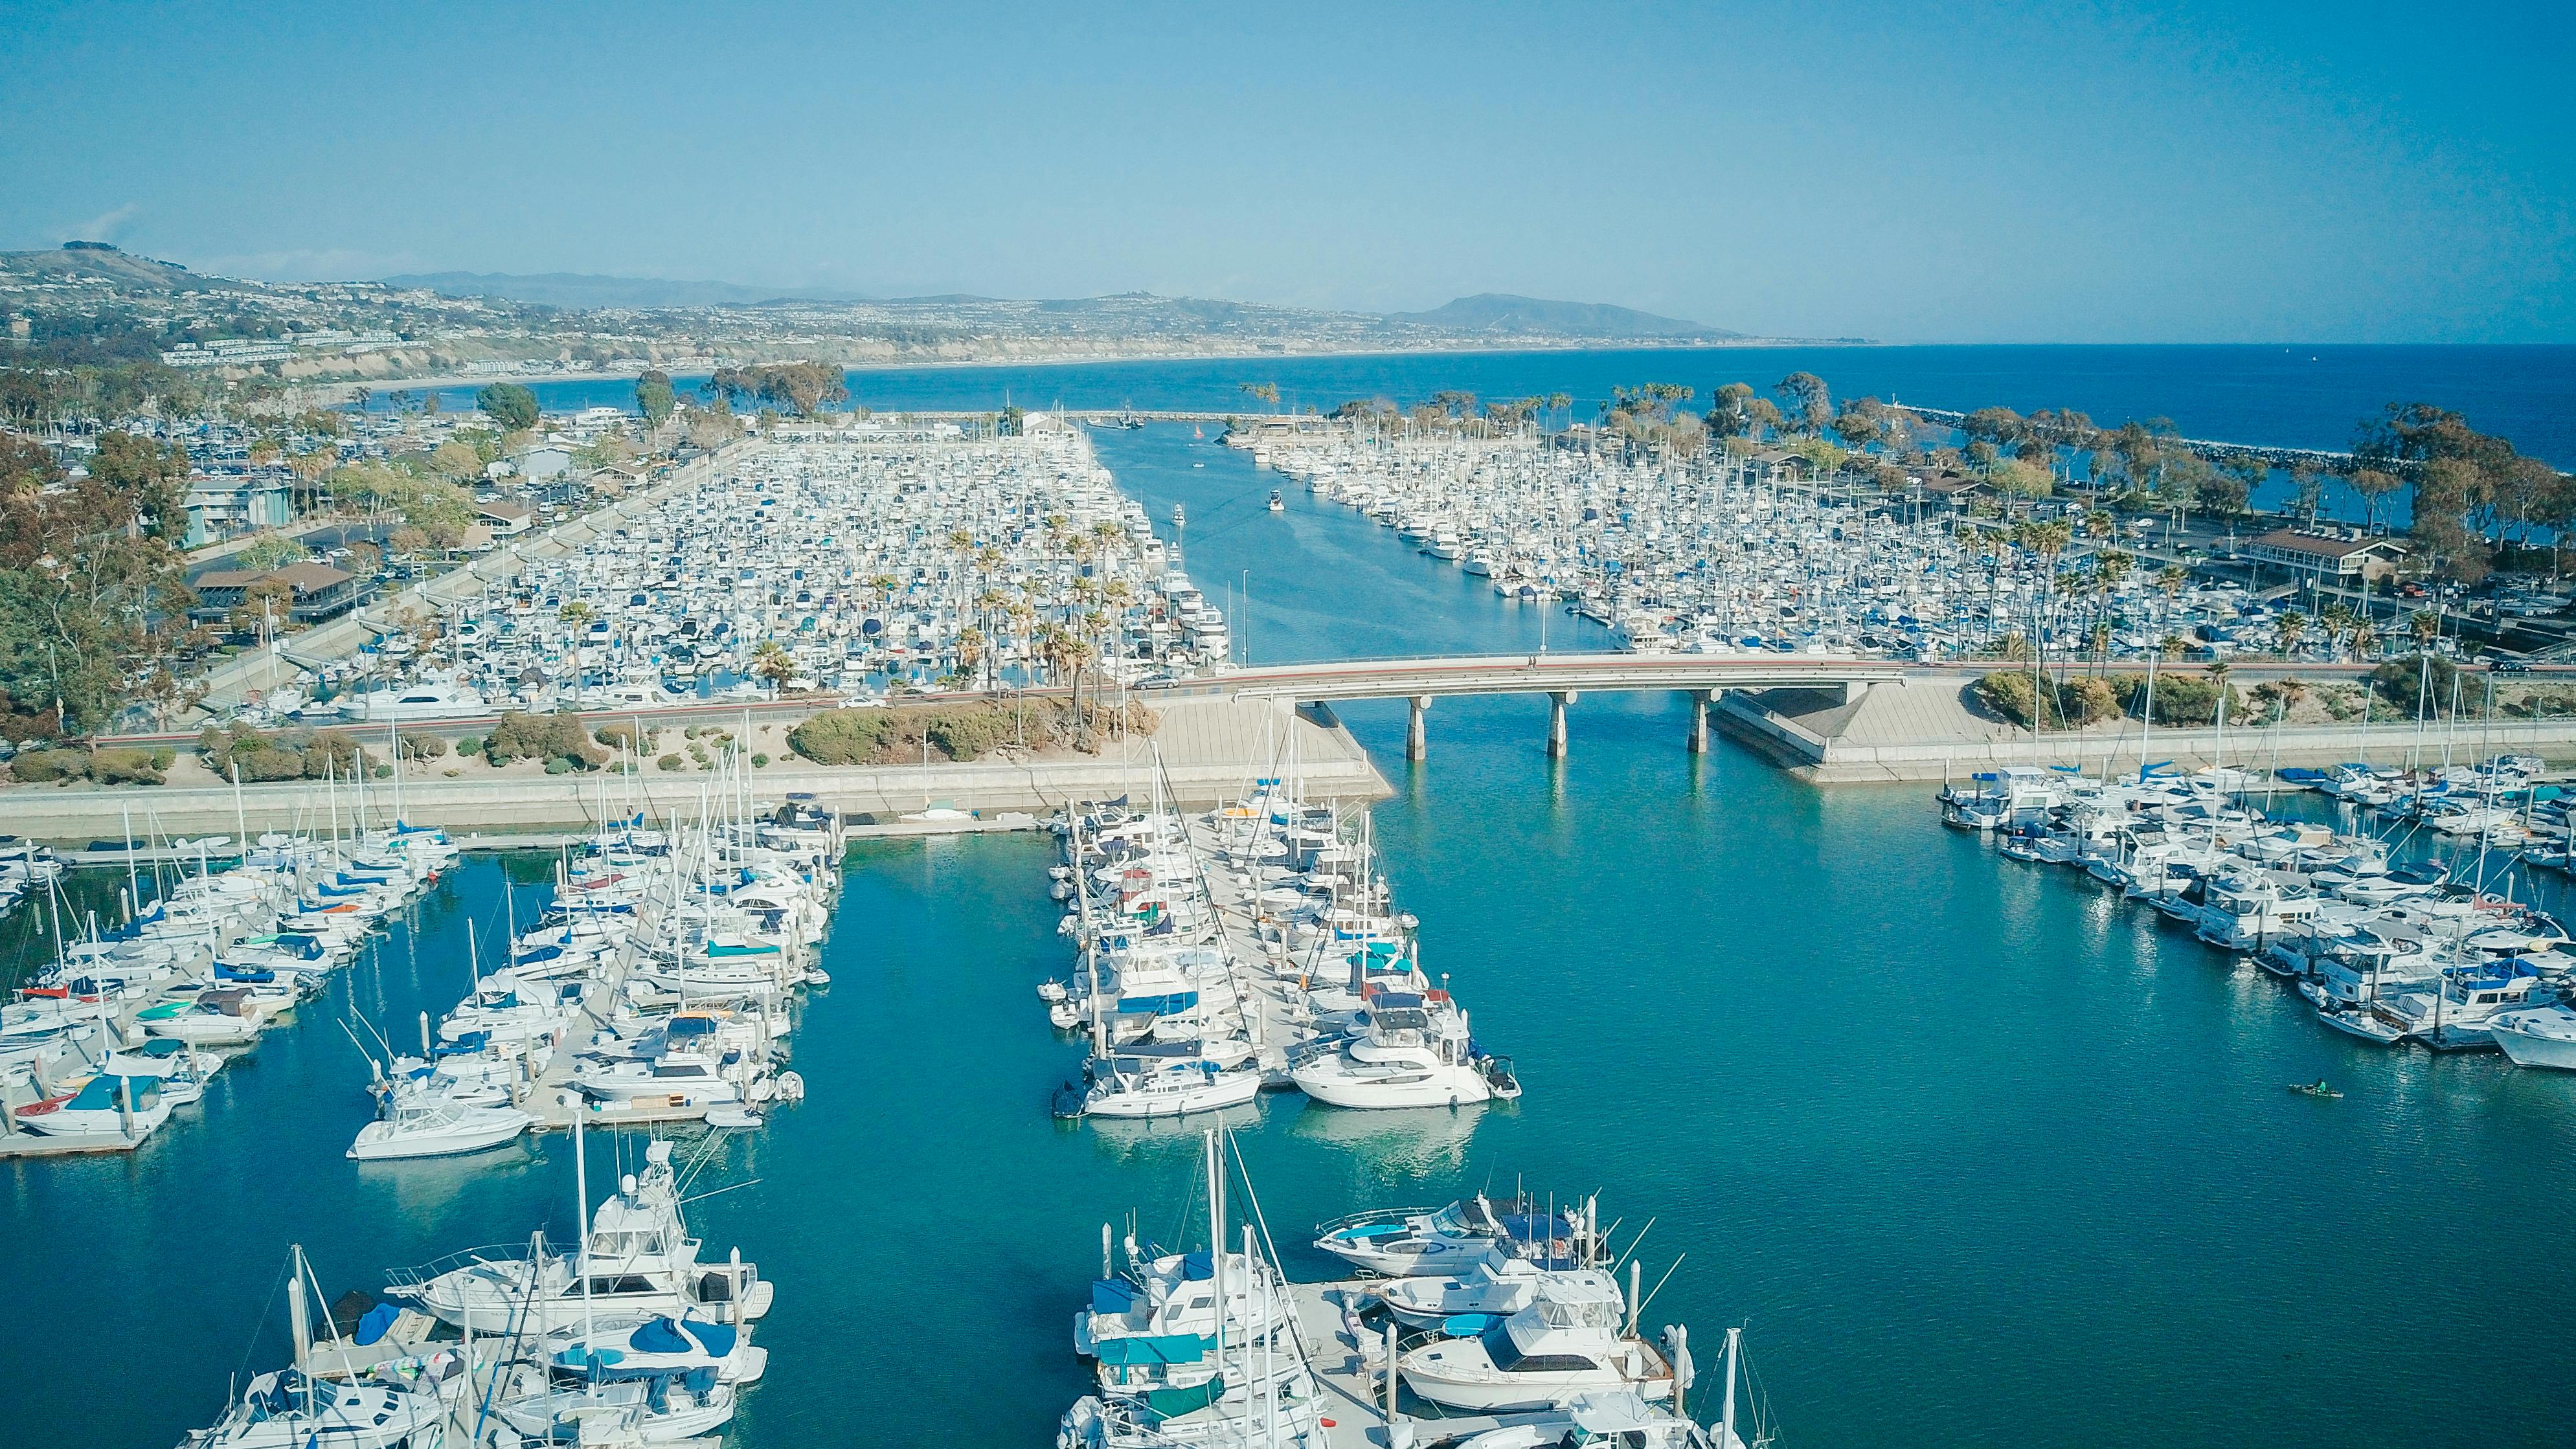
x=1916, y=171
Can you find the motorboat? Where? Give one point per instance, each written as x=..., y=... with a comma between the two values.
x=1132, y=1085
x=1605, y=1417
x=1568, y=1342
x=407, y=704
x=2537, y=1036
x=1492, y=1290
x=289, y=1409
x=411, y=1128
x=636, y=1258
x=1407, y=1242
x=1415, y=1051
x=104, y=1109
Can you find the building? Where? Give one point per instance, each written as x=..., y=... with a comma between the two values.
x=222, y=506
x=504, y=518
x=541, y=466
x=2327, y=559
x=315, y=592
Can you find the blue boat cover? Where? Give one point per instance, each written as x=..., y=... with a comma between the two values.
x=1152, y=1349
x=1111, y=1295
x=716, y=1338
x=658, y=1335
x=378, y=1322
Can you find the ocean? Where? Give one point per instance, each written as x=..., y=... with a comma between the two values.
x=2283, y=396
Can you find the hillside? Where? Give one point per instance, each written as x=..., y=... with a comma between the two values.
x=579, y=291
x=1501, y=313
x=121, y=270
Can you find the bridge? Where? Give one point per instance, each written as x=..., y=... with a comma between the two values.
x=1561, y=677
x=1565, y=677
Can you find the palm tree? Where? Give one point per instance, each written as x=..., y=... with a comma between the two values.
x=2338, y=618
x=2288, y=630
x=2426, y=625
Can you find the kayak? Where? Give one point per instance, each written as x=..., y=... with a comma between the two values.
x=2311, y=1089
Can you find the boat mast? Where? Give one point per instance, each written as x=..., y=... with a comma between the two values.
x=1726, y=1416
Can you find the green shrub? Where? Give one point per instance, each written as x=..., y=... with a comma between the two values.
x=628, y=737
x=123, y=767
x=759, y=762
x=2402, y=681
x=843, y=736
x=559, y=766
x=544, y=737
x=164, y=757
x=41, y=766
x=263, y=765
x=668, y=762
x=968, y=733
x=470, y=745
x=2185, y=700
x=332, y=755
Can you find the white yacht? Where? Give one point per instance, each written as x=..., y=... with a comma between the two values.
x=2537, y=1036
x=638, y=1258
x=415, y=702
x=1568, y=1342
x=104, y=1109
x=430, y=1128
x=1129, y=1085
x=1405, y=1242
x=1414, y=1052
x=289, y=1410
x=1492, y=1290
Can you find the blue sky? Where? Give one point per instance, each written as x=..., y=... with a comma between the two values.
x=2355, y=172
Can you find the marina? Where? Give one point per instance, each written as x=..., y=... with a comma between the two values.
x=2041, y=971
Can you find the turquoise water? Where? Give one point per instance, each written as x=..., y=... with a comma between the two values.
x=1974, y=1152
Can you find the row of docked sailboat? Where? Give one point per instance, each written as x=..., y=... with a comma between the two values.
x=1254, y=945
x=654, y=986
x=1507, y=1319
x=625, y=1339
x=2385, y=951
x=127, y=1024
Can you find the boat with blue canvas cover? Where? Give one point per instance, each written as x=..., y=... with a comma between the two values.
x=1405, y=1242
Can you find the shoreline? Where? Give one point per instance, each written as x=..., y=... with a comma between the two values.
x=451, y=381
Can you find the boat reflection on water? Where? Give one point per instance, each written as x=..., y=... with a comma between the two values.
x=1152, y=1139
x=1403, y=1139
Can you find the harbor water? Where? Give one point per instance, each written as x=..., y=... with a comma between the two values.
x=1974, y=1151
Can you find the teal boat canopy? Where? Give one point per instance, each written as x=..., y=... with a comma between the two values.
x=1152, y=1349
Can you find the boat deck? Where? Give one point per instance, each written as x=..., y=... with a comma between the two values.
x=1352, y=1377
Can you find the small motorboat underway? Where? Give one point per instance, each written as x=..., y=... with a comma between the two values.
x=432, y=1128
x=2316, y=1088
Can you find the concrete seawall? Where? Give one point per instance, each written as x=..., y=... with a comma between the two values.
x=1928, y=732
x=1210, y=751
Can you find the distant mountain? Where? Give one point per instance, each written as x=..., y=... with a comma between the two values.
x=1506, y=315
x=580, y=291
